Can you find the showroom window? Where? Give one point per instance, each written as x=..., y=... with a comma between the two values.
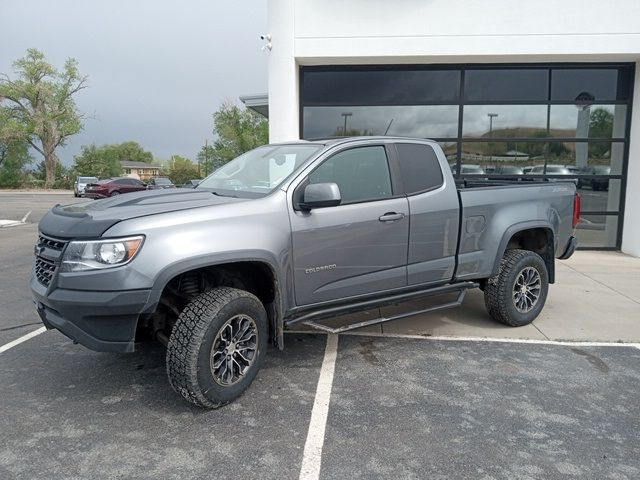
x=517, y=122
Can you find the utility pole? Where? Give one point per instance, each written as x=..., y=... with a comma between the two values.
x=491, y=117
x=345, y=115
x=206, y=152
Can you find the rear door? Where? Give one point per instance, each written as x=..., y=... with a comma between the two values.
x=434, y=208
x=360, y=246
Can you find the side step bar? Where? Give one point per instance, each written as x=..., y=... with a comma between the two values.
x=311, y=318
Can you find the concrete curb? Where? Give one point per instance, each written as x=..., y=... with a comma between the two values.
x=36, y=192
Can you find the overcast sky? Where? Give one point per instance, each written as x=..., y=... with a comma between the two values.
x=158, y=69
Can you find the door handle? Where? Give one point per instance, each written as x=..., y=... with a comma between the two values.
x=391, y=217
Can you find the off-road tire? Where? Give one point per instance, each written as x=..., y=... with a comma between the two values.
x=498, y=292
x=192, y=339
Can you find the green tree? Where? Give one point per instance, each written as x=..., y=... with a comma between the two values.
x=132, y=151
x=208, y=160
x=181, y=169
x=39, y=105
x=600, y=123
x=96, y=161
x=237, y=130
x=14, y=156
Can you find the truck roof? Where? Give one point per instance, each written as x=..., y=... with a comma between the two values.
x=341, y=140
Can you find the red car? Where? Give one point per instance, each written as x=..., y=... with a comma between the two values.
x=113, y=186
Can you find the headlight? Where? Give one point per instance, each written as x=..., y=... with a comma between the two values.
x=99, y=254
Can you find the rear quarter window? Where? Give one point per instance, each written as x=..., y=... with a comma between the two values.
x=419, y=167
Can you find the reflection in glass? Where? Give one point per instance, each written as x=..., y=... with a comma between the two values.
x=588, y=158
x=599, y=194
x=597, y=83
x=495, y=85
x=504, y=121
x=597, y=230
x=588, y=121
x=422, y=121
x=503, y=158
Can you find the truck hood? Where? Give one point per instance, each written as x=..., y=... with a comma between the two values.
x=92, y=219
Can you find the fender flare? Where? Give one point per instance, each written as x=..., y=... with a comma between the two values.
x=274, y=310
x=519, y=227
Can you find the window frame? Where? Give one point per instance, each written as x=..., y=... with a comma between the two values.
x=625, y=97
x=394, y=176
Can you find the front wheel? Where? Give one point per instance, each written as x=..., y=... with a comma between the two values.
x=217, y=346
x=516, y=295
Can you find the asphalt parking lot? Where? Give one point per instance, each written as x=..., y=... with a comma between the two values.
x=395, y=407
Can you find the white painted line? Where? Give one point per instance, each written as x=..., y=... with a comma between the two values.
x=24, y=219
x=312, y=456
x=576, y=343
x=24, y=338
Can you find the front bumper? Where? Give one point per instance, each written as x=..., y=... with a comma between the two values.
x=570, y=248
x=104, y=321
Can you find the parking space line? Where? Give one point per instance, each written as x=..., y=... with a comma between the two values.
x=24, y=338
x=570, y=343
x=312, y=456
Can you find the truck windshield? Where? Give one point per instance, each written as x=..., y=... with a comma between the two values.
x=258, y=172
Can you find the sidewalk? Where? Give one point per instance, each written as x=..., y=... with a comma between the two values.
x=596, y=297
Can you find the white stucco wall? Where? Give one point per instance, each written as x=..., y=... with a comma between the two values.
x=316, y=32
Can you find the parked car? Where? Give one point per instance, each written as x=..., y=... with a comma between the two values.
x=190, y=184
x=156, y=183
x=554, y=170
x=468, y=169
x=508, y=170
x=80, y=184
x=527, y=170
x=210, y=273
x=113, y=186
x=595, y=183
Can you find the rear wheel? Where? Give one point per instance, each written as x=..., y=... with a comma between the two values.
x=516, y=295
x=114, y=193
x=217, y=346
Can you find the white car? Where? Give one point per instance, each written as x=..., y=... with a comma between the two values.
x=81, y=183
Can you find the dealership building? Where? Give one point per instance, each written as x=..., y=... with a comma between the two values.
x=509, y=89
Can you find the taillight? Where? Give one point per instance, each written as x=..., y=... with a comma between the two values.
x=576, y=210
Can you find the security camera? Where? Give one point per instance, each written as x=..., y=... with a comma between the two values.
x=266, y=36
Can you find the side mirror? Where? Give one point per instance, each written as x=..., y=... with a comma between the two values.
x=320, y=195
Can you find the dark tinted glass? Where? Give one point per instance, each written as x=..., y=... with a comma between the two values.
x=597, y=84
x=506, y=85
x=399, y=86
x=419, y=167
x=361, y=173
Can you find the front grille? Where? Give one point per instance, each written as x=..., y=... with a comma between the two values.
x=44, y=270
x=48, y=251
x=51, y=243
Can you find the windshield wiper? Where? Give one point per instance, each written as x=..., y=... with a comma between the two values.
x=217, y=194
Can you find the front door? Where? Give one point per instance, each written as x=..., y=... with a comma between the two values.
x=359, y=246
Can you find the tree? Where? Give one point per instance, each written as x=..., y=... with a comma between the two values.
x=237, y=130
x=99, y=161
x=208, y=160
x=105, y=160
x=600, y=123
x=132, y=151
x=181, y=169
x=14, y=156
x=39, y=105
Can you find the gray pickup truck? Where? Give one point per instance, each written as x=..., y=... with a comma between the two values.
x=288, y=234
